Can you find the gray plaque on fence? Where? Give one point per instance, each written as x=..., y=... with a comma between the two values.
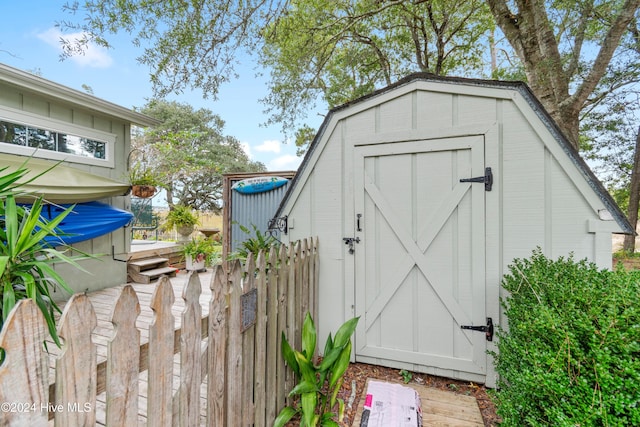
x=249, y=308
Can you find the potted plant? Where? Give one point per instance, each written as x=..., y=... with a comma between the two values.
x=199, y=252
x=182, y=218
x=143, y=182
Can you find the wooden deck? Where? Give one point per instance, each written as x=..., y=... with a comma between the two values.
x=440, y=408
x=103, y=302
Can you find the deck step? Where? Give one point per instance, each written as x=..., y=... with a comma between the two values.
x=147, y=264
x=148, y=276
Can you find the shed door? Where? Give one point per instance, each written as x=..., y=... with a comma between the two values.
x=420, y=263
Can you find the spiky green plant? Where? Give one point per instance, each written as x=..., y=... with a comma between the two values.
x=257, y=242
x=26, y=261
x=318, y=384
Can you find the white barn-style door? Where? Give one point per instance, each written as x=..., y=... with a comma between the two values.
x=420, y=261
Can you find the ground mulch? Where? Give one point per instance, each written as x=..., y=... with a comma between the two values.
x=357, y=374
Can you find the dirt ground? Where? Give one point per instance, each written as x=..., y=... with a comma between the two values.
x=358, y=373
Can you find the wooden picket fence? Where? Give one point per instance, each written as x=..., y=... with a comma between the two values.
x=239, y=357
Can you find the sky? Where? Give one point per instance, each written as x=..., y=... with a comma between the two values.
x=29, y=41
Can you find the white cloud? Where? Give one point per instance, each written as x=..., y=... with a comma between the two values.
x=286, y=162
x=271, y=146
x=94, y=56
x=246, y=148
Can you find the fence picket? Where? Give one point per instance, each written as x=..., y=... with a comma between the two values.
x=123, y=357
x=216, y=385
x=24, y=374
x=272, y=339
x=259, y=372
x=248, y=345
x=283, y=325
x=190, y=360
x=247, y=377
x=161, y=336
x=76, y=366
x=234, y=346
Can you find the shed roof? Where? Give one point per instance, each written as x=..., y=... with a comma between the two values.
x=528, y=96
x=52, y=90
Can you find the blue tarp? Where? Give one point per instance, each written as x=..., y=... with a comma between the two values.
x=86, y=221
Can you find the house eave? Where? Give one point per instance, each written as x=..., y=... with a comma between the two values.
x=52, y=90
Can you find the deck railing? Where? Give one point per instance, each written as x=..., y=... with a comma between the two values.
x=239, y=358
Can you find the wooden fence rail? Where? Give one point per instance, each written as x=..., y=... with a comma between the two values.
x=238, y=358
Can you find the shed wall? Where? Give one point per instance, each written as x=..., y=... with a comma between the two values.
x=110, y=270
x=542, y=199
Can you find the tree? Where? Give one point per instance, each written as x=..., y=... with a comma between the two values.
x=190, y=154
x=343, y=49
x=347, y=48
x=565, y=48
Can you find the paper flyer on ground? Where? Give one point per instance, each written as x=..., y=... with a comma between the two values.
x=391, y=405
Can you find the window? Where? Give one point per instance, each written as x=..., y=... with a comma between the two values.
x=28, y=134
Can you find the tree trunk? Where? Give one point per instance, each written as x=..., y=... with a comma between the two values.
x=530, y=34
x=634, y=197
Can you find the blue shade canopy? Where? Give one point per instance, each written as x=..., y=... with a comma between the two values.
x=86, y=221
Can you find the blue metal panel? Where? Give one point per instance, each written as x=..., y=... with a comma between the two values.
x=253, y=209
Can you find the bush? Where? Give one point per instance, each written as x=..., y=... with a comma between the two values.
x=571, y=355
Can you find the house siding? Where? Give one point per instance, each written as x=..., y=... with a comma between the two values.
x=109, y=269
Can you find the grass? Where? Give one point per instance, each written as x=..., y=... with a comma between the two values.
x=630, y=261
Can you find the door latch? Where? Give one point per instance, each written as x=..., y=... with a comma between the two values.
x=487, y=179
x=350, y=241
x=488, y=329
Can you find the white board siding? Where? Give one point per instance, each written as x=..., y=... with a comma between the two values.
x=106, y=271
x=539, y=197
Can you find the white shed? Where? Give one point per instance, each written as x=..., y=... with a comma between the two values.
x=421, y=194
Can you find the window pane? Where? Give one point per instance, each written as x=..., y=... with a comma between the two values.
x=40, y=138
x=13, y=133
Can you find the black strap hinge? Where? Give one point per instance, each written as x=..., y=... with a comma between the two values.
x=488, y=329
x=487, y=179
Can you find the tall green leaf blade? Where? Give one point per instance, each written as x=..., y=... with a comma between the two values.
x=341, y=365
x=307, y=370
x=344, y=333
x=308, y=403
x=289, y=355
x=8, y=300
x=308, y=337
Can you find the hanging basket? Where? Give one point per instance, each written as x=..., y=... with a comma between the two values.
x=143, y=191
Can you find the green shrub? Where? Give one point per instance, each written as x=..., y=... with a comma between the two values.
x=571, y=356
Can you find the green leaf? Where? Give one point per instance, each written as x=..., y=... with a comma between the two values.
x=329, y=359
x=8, y=300
x=308, y=404
x=329, y=422
x=304, y=386
x=308, y=337
x=341, y=365
x=344, y=333
x=284, y=416
x=289, y=355
x=307, y=370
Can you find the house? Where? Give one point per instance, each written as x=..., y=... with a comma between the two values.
x=46, y=123
x=421, y=194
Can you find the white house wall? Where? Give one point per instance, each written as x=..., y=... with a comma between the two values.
x=110, y=270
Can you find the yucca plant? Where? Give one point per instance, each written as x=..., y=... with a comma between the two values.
x=26, y=261
x=254, y=244
x=316, y=393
